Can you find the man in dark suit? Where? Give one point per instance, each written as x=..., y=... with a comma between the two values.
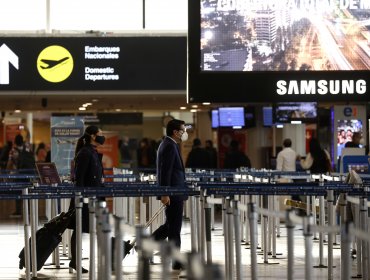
x=171, y=172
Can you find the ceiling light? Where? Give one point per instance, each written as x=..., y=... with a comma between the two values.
x=95, y=100
x=193, y=110
x=88, y=104
x=84, y=105
x=82, y=109
x=182, y=108
x=194, y=106
x=118, y=110
x=17, y=111
x=206, y=103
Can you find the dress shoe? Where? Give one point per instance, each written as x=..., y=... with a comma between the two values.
x=73, y=265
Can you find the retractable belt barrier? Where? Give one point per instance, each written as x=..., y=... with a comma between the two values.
x=200, y=194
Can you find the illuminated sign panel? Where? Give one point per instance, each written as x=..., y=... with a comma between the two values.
x=97, y=63
x=279, y=50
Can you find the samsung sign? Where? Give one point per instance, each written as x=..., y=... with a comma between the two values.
x=322, y=87
x=92, y=63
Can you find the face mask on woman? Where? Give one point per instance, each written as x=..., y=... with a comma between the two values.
x=100, y=139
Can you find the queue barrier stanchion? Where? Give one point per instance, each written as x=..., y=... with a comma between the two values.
x=100, y=206
x=26, y=222
x=307, y=232
x=92, y=237
x=238, y=254
x=193, y=223
x=107, y=245
x=165, y=250
x=118, y=248
x=208, y=226
x=290, y=244
x=143, y=259
x=78, y=229
x=202, y=227
x=229, y=239
x=330, y=201
x=345, y=253
x=363, y=223
x=33, y=238
x=321, y=223
x=252, y=216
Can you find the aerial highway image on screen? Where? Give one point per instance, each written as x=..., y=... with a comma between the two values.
x=285, y=35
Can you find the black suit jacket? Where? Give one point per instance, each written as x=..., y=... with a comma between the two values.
x=170, y=167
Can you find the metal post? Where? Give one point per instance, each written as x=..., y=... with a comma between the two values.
x=345, y=259
x=165, y=254
x=143, y=259
x=92, y=229
x=33, y=239
x=321, y=234
x=107, y=246
x=307, y=232
x=118, y=247
x=207, y=213
x=202, y=228
x=230, y=258
x=252, y=216
x=363, y=223
x=193, y=224
x=290, y=243
x=199, y=232
x=330, y=200
x=226, y=243
x=99, y=213
x=26, y=222
x=54, y=211
x=238, y=254
x=79, y=204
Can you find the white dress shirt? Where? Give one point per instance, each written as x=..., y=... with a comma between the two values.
x=286, y=160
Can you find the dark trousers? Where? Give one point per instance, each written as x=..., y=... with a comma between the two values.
x=172, y=227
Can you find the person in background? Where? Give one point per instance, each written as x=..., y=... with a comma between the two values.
x=212, y=154
x=14, y=163
x=286, y=159
x=4, y=156
x=198, y=156
x=125, y=151
x=171, y=173
x=355, y=143
x=41, y=152
x=145, y=154
x=235, y=158
x=317, y=160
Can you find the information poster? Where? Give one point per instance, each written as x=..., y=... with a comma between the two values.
x=65, y=132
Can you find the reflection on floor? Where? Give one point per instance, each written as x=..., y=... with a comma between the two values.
x=11, y=242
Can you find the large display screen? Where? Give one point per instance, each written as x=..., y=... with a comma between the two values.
x=345, y=130
x=296, y=111
x=278, y=50
x=284, y=35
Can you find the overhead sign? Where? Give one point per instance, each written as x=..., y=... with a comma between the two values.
x=7, y=57
x=93, y=63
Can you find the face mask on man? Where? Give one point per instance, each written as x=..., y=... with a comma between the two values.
x=184, y=136
x=100, y=139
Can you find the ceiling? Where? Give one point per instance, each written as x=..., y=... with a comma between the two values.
x=107, y=101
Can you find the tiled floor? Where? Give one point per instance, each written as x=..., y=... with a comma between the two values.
x=11, y=242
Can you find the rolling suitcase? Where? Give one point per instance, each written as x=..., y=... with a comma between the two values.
x=129, y=245
x=47, y=238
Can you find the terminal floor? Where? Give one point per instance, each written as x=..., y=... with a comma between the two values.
x=11, y=242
